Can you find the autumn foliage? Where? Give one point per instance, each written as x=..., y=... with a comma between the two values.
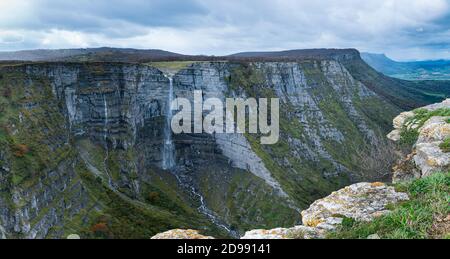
x=20, y=150
x=100, y=228
x=153, y=197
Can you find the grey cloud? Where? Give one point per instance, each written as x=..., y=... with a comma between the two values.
x=222, y=27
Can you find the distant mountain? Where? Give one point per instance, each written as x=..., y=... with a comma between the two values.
x=106, y=54
x=337, y=54
x=420, y=70
x=92, y=54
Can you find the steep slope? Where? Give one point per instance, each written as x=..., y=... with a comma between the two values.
x=404, y=94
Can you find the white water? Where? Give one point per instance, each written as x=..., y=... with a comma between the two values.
x=203, y=209
x=105, y=128
x=184, y=181
x=169, y=147
x=105, y=137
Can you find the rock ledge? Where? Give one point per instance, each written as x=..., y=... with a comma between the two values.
x=181, y=234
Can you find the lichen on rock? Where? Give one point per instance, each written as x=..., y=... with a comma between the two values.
x=181, y=234
x=298, y=232
x=361, y=202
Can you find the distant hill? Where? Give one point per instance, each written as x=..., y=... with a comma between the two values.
x=138, y=55
x=420, y=70
x=338, y=54
x=92, y=54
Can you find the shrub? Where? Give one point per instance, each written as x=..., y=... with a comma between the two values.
x=100, y=230
x=422, y=115
x=20, y=150
x=153, y=197
x=409, y=137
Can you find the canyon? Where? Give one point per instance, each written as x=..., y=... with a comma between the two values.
x=86, y=147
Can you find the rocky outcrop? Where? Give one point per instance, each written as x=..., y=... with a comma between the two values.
x=427, y=156
x=430, y=158
x=181, y=234
x=298, y=232
x=400, y=122
x=361, y=202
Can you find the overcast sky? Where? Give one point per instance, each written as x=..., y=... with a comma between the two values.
x=403, y=29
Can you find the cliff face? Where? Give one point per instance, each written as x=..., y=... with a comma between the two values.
x=82, y=148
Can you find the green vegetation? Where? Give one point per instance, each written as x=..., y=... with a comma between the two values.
x=409, y=137
x=124, y=218
x=171, y=66
x=445, y=146
x=406, y=95
x=423, y=115
x=409, y=134
x=245, y=77
x=423, y=217
x=32, y=130
x=243, y=199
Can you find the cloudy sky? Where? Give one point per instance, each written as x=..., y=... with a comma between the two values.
x=403, y=29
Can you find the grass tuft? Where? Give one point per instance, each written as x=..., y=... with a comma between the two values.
x=445, y=146
x=416, y=219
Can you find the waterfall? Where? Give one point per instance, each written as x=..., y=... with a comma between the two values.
x=203, y=209
x=105, y=128
x=105, y=137
x=169, y=148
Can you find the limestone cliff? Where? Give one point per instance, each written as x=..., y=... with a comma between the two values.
x=82, y=148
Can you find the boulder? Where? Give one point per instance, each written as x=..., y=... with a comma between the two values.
x=436, y=129
x=361, y=202
x=431, y=159
x=181, y=234
x=401, y=120
x=374, y=236
x=395, y=135
x=298, y=232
